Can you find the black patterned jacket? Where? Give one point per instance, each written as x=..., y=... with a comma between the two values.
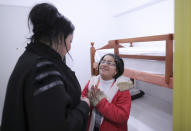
x=43, y=94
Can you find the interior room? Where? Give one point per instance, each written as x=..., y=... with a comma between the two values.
x=101, y=21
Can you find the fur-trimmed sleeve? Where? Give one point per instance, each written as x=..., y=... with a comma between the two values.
x=118, y=111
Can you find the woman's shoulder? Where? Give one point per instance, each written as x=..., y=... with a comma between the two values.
x=26, y=62
x=38, y=66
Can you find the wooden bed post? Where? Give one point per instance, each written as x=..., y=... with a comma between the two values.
x=92, y=54
x=116, y=48
x=169, y=59
x=131, y=44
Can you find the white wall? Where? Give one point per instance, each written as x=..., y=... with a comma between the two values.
x=93, y=23
x=13, y=34
x=154, y=17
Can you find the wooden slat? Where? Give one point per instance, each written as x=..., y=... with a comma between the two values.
x=116, y=48
x=169, y=60
x=110, y=45
x=148, y=77
x=147, y=38
x=92, y=54
x=160, y=58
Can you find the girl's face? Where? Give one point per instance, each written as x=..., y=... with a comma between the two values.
x=107, y=68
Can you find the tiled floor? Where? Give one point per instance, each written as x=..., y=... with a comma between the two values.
x=150, y=114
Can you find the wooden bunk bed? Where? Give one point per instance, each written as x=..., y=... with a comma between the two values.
x=164, y=80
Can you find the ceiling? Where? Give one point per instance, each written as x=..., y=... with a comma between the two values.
x=116, y=7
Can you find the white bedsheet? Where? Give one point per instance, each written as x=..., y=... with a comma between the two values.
x=141, y=48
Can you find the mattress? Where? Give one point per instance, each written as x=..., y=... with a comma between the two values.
x=141, y=48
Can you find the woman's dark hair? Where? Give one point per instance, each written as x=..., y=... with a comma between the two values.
x=119, y=64
x=48, y=24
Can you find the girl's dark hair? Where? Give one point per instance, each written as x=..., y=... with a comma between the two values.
x=48, y=24
x=119, y=64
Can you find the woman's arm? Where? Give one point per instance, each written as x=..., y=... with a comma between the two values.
x=50, y=106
